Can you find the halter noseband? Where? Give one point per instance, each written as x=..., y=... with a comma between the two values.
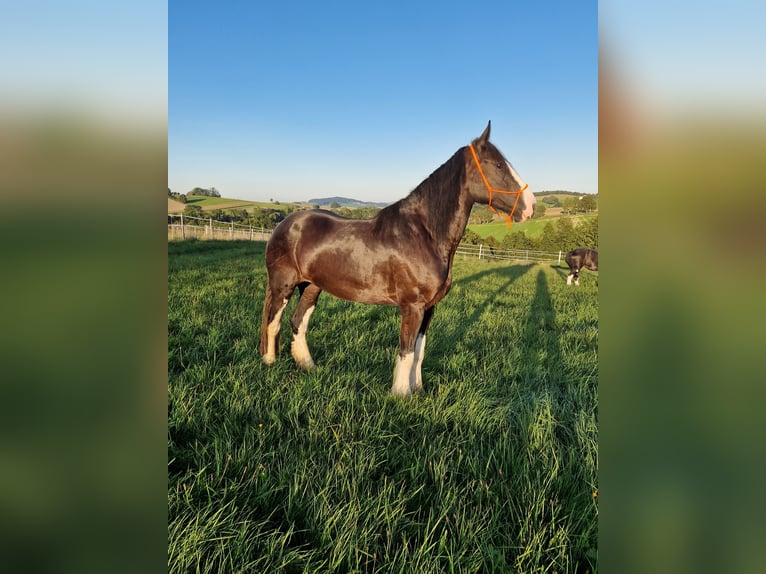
x=492, y=190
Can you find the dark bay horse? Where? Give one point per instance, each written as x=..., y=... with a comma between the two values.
x=402, y=256
x=579, y=258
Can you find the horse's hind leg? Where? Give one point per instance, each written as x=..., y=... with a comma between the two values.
x=273, y=306
x=420, y=347
x=300, y=323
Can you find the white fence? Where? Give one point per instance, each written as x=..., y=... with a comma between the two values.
x=518, y=255
x=185, y=227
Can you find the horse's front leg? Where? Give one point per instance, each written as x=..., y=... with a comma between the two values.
x=405, y=373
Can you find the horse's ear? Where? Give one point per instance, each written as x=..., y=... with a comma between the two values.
x=484, y=137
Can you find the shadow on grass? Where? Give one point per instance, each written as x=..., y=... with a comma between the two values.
x=541, y=345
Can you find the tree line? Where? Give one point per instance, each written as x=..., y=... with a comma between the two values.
x=199, y=191
x=571, y=205
x=257, y=217
x=562, y=235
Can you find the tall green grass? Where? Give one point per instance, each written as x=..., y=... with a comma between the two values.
x=493, y=468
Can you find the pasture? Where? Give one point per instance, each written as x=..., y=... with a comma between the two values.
x=493, y=468
x=213, y=203
x=532, y=227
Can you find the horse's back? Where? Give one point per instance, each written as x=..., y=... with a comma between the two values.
x=582, y=257
x=300, y=226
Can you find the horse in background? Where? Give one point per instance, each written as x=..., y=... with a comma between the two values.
x=402, y=256
x=579, y=258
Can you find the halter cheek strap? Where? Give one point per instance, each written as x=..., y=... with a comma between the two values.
x=492, y=190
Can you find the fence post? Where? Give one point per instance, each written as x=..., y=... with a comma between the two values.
x=558, y=264
x=231, y=230
x=211, y=228
x=527, y=255
x=251, y=233
x=183, y=233
x=481, y=249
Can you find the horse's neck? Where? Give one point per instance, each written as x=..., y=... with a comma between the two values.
x=444, y=205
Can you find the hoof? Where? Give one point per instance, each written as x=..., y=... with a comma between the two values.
x=307, y=365
x=269, y=359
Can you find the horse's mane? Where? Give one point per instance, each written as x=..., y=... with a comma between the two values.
x=435, y=200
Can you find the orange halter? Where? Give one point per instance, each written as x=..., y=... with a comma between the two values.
x=492, y=190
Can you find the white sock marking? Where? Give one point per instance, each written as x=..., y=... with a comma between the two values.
x=420, y=346
x=402, y=374
x=299, y=347
x=271, y=331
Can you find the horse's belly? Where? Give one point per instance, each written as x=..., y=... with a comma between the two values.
x=370, y=279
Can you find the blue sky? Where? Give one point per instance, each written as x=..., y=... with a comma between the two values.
x=296, y=100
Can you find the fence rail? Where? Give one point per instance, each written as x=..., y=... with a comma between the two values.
x=186, y=227
x=520, y=255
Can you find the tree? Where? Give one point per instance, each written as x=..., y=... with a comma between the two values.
x=549, y=239
x=519, y=240
x=565, y=233
x=571, y=204
x=471, y=237
x=539, y=211
x=480, y=214
x=587, y=233
x=588, y=202
x=334, y=205
x=212, y=192
x=193, y=211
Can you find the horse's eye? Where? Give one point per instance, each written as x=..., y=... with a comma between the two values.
x=499, y=165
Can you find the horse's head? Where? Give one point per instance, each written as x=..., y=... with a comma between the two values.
x=493, y=181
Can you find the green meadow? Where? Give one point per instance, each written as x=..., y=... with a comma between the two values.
x=492, y=468
x=532, y=227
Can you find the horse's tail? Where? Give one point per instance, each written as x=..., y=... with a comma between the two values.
x=263, y=346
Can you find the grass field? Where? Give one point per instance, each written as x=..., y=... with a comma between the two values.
x=213, y=203
x=532, y=227
x=493, y=468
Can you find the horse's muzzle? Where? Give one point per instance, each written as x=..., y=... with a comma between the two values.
x=529, y=207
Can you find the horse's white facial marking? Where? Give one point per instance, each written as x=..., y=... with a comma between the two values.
x=299, y=347
x=420, y=346
x=526, y=196
x=272, y=330
x=515, y=175
x=402, y=374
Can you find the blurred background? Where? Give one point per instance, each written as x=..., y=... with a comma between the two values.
x=682, y=143
x=83, y=166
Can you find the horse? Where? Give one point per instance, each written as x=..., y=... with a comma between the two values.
x=579, y=258
x=402, y=256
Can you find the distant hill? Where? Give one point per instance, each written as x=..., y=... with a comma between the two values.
x=345, y=202
x=558, y=192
